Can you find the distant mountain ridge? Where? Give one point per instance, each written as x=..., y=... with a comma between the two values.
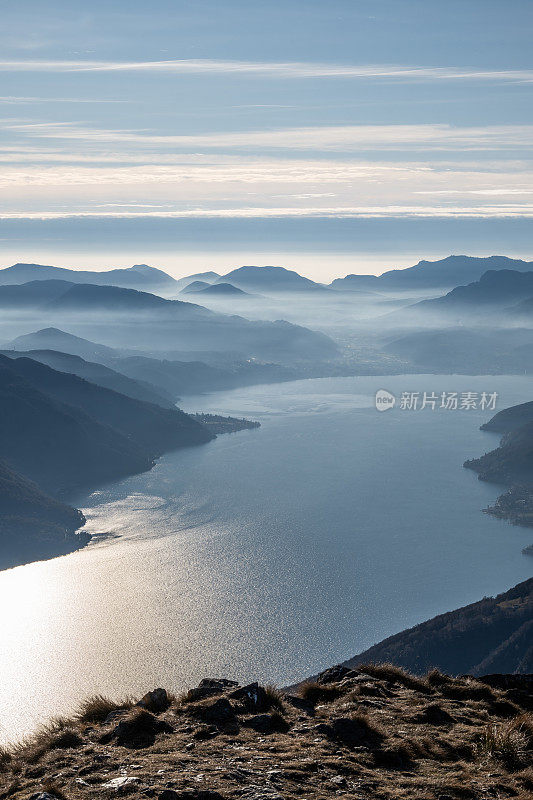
x=201, y=328
x=274, y=279
x=140, y=276
x=433, y=275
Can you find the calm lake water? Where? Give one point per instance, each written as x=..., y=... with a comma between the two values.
x=267, y=554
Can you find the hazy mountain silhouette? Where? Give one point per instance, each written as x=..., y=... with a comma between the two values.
x=470, y=351
x=221, y=290
x=495, y=288
x=55, y=339
x=194, y=287
x=432, y=275
x=140, y=276
x=33, y=525
x=97, y=373
x=64, y=432
x=204, y=277
x=273, y=279
x=95, y=309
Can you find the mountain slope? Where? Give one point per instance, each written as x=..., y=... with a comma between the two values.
x=55, y=339
x=96, y=373
x=511, y=462
x=63, y=432
x=492, y=635
x=33, y=525
x=495, y=289
x=139, y=276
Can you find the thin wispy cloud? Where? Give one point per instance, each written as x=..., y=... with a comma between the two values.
x=338, y=137
x=371, y=212
x=272, y=69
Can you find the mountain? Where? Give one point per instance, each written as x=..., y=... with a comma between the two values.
x=511, y=462
x=495, y=289
x=97, y=373
x=33, y=525
x=35, y=294
x=509, y=419
x=93, y=310
x=468, y=351
x=270, y=279
x=432, y=275
x=55, y=339
x=139, y=276
x=490, y=636
x=89, y=296
x=195, y=286
x=221, y=290
x=203, y=277
x=64, y=433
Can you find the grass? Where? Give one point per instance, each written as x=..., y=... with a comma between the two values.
x=96, y=708
x=314, y=693
x=274, y=698
x=510, y=742
x=394, y=674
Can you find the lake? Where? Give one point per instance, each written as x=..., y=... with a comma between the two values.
x=266, y=554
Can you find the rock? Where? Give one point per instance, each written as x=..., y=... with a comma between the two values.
x=299, y=703
x=267, y=723
x=138, y=730
x=209, y=687
x=252, y=697
x=156, y=701
x=335, y=674
x=121, y=784
x=43, y=796
x=205, y=732
x=219, y=712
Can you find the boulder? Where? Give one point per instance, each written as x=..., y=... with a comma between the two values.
x=253, y=697
x=156, y=701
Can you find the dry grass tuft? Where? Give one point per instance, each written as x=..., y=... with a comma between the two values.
x=96, y=708
x=313, y=692
x=510, y=742
x=274, y=698
x=51, y=787
x=5, y=757
x=394, y=674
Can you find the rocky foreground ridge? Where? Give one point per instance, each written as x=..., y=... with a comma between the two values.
x=371, y=732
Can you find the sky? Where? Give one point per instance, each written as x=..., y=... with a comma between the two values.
x=347, y=136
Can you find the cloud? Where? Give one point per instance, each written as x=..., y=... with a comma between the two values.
x=327, y=137
x=273, y=69
x=371, y=212
x=13, y=100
